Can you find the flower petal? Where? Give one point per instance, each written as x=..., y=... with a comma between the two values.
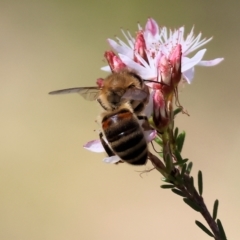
x=145, y=73
x=120, y=49
x=94, y=146
x=112, y=159
x=106, y=69
x=129, y=39
x=210, y=63
x=150, y=135
x=188, y=63
x=188, y=75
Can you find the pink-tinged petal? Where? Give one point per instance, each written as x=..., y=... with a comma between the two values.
x=150, y=135
x=188, y=63
x=94, y=146
x=188, y=75
x=106, y=69
x=112, y=160
x=176, y=57
x=152, y=27
x=210, y=63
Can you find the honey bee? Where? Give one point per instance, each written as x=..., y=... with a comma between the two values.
x=123, y=96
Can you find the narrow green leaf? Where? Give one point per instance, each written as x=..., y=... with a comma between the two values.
x=200, y=183
x=180, y=163
x=166, y=180
x=189, y=168
x=175, y=133
x=178, y=192
x=166, y=186
x=180, y=141
x=168, y=164
x=192, y=182
x=158, y=141
x=215, y=209
x=184, y=167
x=177, y=110
x=207, y=231
x=178, y=156
x=221, y=230
x=191, y=204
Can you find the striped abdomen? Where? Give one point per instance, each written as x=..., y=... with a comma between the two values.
x=125, y=136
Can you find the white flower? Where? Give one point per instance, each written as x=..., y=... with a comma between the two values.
x=144, y=52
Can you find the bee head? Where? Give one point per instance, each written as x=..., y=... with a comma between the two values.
x=114, y=97
x=114, y=87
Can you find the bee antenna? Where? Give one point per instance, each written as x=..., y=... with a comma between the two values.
x=145, y=171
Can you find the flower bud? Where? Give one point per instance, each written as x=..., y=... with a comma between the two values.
x=152, y=27
x=175, y=60
x=114, y=61
x=164, y=70
x=99, y=82
x=140, y=47
x=160, y=116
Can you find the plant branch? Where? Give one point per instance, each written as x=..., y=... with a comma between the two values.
x=188, y=190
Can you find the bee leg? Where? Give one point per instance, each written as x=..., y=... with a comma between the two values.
x=145, y=125
x=106, y=147
x=146, y=171
x=101, y=104
x=141, y=117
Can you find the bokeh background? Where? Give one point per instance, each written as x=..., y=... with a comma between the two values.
x=53, y=189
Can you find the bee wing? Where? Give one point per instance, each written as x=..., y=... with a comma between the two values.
x=88, y=93
x=135, y=94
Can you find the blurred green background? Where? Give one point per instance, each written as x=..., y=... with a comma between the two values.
x=53, y=189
